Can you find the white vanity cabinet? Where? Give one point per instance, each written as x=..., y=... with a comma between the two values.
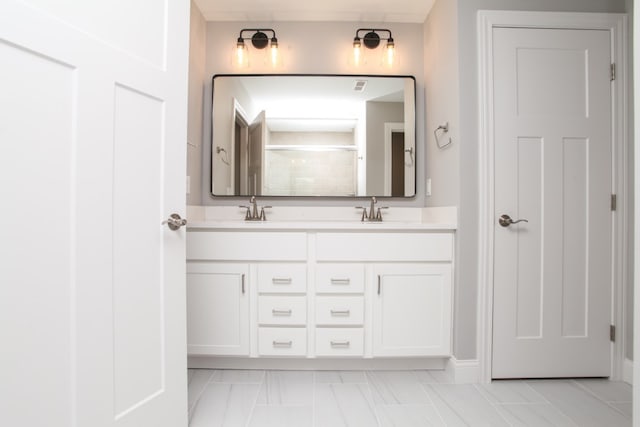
x=366, y=292
x=246, y=293
x=408, y=286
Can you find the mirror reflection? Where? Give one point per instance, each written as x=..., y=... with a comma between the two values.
x=313, y=135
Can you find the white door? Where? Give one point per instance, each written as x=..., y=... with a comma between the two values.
x=552, y=289
x=93, y=133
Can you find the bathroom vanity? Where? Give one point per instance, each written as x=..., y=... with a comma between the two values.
x=312, y=289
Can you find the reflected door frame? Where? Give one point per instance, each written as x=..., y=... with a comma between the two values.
x=616, y=24
x=239, y=142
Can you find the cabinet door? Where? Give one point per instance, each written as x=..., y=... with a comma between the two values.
x=218, y=309
x=412, y=310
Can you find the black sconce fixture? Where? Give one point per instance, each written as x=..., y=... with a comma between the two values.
x=259, y=40
x=371, y=40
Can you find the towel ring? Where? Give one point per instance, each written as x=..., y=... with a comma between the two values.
x=223, y=157
x=444, y=128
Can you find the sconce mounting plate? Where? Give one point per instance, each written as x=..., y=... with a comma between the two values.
x=371, y=40
x=259, y=40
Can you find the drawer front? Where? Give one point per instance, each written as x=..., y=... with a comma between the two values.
x=282, y=278
x=282, y=341
x=282, y=310
x=384, y=247
x=246, y=245
x=340, y=278
x=339, y=342
x=339, y=310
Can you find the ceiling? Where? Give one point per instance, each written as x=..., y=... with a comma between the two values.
x=408, y=11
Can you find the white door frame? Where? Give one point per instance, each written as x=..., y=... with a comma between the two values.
x=616, y=24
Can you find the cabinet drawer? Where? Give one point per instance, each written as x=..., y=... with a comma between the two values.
x=246, y=245
x=339, y=342
x=340, y=278
x=384, y=247
x=282, y=341
x=282, y=278
x=281, y=310
x=339, y=310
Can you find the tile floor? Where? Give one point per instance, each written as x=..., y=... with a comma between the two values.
x=236, y=398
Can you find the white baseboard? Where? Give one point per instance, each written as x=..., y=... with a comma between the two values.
x=463, y=371
x=211, y=362
x=627, y=371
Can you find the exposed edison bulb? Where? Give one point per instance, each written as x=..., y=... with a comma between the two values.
x=390, y=53
x=241, y=53
x=357, y=51
x=274, y=52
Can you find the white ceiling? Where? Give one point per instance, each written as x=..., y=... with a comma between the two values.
x=409, y=11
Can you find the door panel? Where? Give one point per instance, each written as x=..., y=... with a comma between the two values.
x=552, y=289
x=93, y=160
x=137, y=249
x=36, y=277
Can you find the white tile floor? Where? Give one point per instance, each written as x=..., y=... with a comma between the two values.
x=400, y=398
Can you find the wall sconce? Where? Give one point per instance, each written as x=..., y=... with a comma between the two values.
x=371, y=40
x=259, y=40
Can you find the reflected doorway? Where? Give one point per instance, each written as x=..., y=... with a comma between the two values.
x=397, y=164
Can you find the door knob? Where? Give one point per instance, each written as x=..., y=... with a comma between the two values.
x=174, y=221
x=505, y=220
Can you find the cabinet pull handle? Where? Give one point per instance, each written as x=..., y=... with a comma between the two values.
x=281, y=280
x=282, y=343
x=340, y=343
x=340, y=312
x=340, y=281
x=243, y=283
x=277, y=312
x=379, y=284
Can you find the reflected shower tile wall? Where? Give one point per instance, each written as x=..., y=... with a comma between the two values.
x=310, y=172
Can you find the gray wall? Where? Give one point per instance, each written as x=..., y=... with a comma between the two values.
x=197, y=55
x=379, y=113
x=443, y=165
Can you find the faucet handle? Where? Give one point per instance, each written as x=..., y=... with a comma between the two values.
x=379, y=213
x=364, y=212
x=263, y=215
x=248, y=213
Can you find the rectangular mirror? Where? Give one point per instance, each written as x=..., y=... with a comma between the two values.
x=313, y=135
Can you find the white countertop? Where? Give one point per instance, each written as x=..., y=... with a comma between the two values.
x=306, y=218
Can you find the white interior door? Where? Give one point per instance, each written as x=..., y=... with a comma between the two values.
x=93, y=132
x=552, y=274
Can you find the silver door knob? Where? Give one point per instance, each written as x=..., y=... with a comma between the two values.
x=174, y=221
x=505, y=220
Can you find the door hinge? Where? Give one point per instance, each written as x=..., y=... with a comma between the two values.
x=612, y=333
x=614, y=202
x=613, y=71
